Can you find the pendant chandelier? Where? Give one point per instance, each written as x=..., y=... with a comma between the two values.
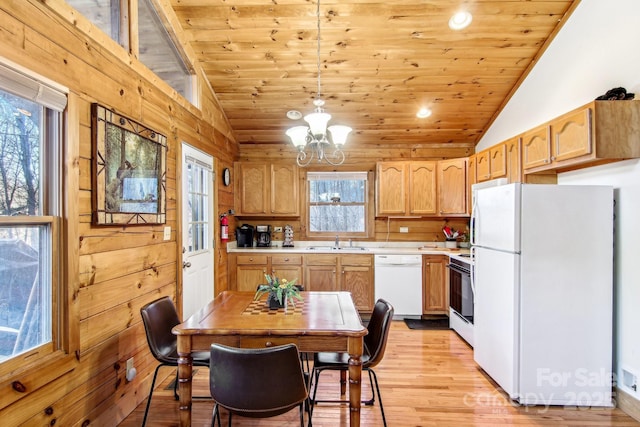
x=313, y=141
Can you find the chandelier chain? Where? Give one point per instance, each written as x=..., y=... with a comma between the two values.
x=318, y=52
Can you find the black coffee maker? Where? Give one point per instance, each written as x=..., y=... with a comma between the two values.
x=263, y=235
x=244, y=236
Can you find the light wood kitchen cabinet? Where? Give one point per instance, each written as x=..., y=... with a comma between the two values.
x=356, y=273
x=266, y=189
x=406, y=188
x=422, y=188
x=350, y=273
x=492, y=163
x=435, y=292
x=513, y=160
x=596, y=133
x=483, y=169
x=498, y=161
x=287, y=267
x=321, y=272
x=452, y=187
x=391, y=188
x=250, y=271
x=536, y=148
x=426, y=188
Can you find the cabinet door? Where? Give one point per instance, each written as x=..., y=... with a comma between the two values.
x=252, y=188
x=359, y=281
x=452, y=187
x=514, y=168
x=471, y=178
x=391, y=187
x=536, y=148
x=288, y=267
x=483, y=169
x=571, y=135
x=435, y=290
x=498, y=161
x=284, y=190
x=422, y=188
x=248, y=277
x=321, y=278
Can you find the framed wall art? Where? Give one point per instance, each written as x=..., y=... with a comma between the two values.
x=130, y=168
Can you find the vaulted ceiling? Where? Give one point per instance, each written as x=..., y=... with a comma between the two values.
x=380, y=62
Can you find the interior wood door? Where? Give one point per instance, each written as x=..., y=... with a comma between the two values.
x=197, y=229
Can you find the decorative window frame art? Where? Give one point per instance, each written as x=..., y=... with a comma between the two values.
x=129, y=171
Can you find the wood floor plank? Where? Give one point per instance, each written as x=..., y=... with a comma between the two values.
x=427, y=378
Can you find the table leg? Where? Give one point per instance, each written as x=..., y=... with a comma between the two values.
x=355, y=384
x=185, y=368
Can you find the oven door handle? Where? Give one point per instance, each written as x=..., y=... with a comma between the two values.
x=458, y=269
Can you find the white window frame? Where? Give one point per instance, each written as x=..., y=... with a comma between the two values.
x=23, y=83
x=368, y=204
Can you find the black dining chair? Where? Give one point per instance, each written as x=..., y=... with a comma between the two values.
x=256, y=383
x=375, y=343
x=159, y=317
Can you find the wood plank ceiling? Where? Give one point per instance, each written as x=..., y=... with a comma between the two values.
x=380, y=62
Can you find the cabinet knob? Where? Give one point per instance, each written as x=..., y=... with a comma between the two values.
x=286, y=260
x=268, y=344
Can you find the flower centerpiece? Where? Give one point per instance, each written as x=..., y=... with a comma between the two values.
x=279, y=291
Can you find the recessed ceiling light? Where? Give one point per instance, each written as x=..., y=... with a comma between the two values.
x=460, y=20
x=423, y=113
x=294, y=114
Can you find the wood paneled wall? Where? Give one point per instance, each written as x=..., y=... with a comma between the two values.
x=420, y=229
x=121, y=268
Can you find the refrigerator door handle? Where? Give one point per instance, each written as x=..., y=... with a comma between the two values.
x=472, y=228
x=472, y=276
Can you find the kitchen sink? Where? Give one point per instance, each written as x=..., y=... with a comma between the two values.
x=333, y=248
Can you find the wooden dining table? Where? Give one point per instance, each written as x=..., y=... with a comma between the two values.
x=322, y=321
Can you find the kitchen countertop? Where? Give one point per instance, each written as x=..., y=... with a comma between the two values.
x=373, y=248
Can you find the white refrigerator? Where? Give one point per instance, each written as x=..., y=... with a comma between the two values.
x=543, y=279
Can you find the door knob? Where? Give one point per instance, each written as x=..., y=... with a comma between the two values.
x=186, y=264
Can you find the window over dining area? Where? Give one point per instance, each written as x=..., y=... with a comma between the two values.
x=30, y=188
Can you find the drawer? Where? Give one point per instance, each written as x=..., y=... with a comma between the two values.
x=321, y=260
x=366, y=260
x=270, y=341
x=286, y=259
x=252, y=259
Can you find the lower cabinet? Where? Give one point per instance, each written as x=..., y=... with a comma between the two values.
x=435, y=292
x=317, y=272
x=356, y=273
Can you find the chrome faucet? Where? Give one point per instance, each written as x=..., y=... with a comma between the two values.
x=337, y=243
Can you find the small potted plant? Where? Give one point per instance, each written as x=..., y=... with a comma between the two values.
x=279, y=291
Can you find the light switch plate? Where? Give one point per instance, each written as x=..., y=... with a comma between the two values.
x=404, y=229
x=167, y=232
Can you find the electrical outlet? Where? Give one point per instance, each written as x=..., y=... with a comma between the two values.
x=404, y=229
x=277, y=229
x=167, y=232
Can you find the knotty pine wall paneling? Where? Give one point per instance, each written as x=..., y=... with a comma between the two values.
x=119, y=268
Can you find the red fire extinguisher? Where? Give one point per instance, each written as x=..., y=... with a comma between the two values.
x=224, y=228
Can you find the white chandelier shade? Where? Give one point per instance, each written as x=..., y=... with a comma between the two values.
x=314, y=137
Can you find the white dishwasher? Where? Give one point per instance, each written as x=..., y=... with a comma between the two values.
x=398, y=279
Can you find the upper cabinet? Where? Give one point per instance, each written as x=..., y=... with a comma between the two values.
x=406, y=188
x=598, y=132
x=266, y=189
x=452, y=187
x=421, y=188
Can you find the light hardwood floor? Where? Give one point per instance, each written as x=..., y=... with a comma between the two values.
x=427, y=378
